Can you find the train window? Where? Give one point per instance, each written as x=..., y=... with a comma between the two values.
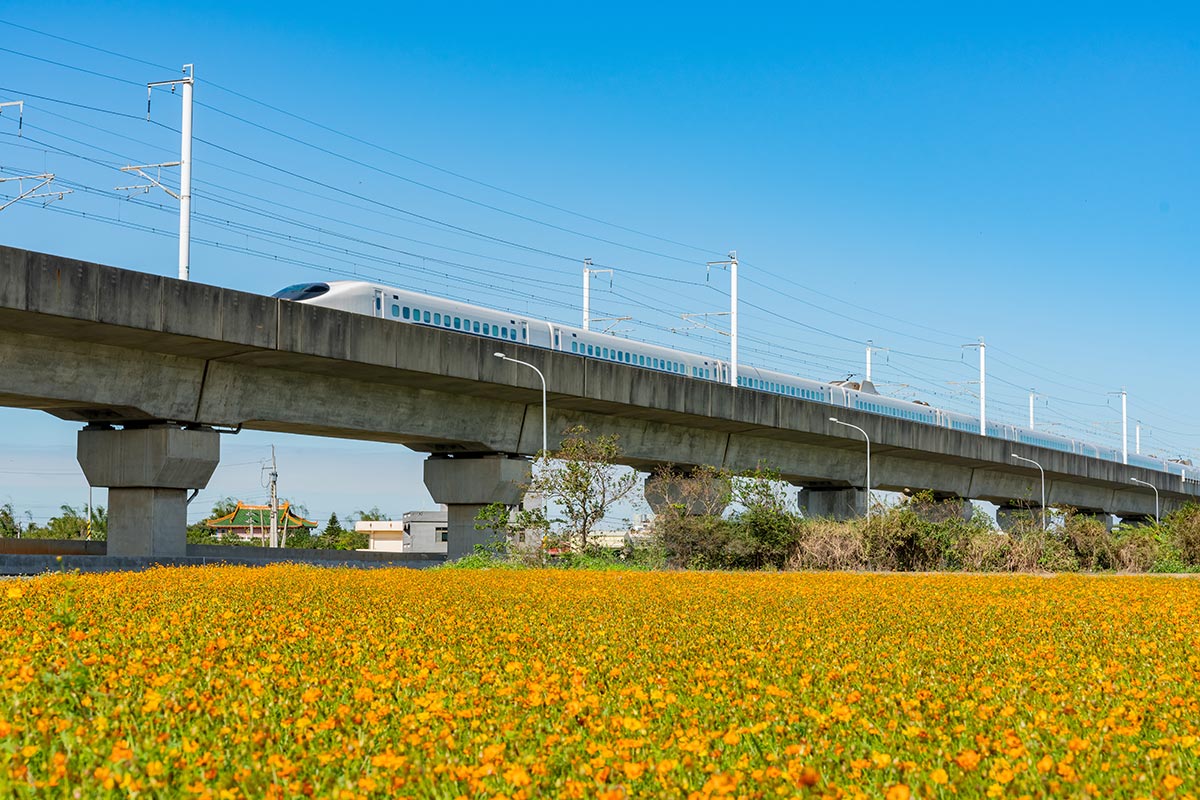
x=487, y=329
x=446, y=320
x=458, y=323
x=512, y=334
x=641, y=361
x=395, y=310
x=475, y=326
x=693, y=372
x=504, y=333
x=407, y=312
x=524, y=333
x=574, y=347
x=426, y=316
x=378, y=305
x=604, y=352
x=437, y=318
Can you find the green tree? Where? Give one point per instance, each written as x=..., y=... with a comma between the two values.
x=331, y=535
x=766, y=528
x=506, y=526
x=224, y=507
x=69, y=523
x=583, y=480
x=374, y=515
x=10, y=525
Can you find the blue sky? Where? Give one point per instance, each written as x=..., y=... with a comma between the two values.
x=919, y=178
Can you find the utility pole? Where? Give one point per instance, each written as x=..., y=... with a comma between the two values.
x=732, y=264
x=1137, y=438
x=982, y=385
x=588, y=272
x=184, y=163
x=1032, y=395
x=274, y=500
x=871, y=348
x=1124, y=425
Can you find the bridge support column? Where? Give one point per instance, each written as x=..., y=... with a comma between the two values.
x=148, y=472
x=838, y=504
x=695, y=492
x=467, y=483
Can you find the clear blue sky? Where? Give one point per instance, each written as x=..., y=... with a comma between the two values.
x=919, y=178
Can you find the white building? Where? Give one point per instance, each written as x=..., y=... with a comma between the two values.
x=426, y=532
x=417, y=532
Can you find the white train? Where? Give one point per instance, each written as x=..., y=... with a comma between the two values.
x=413, y=308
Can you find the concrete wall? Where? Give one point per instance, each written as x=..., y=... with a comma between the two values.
x=95, y=343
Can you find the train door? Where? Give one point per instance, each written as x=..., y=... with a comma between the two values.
x=723, y=372
x=378, y=312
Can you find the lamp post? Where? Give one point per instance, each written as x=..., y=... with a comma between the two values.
x=503, y=357
x=1155, y=488
x=836, y=421
x=1043, y=474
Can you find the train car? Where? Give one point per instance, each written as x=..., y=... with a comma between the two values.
x=414, y=308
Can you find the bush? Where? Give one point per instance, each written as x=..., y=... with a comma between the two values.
x=987, y=551
x=921, y=534
x=1184, y=527
x=827, y=545
x=1089, y=539
x=1138, y=548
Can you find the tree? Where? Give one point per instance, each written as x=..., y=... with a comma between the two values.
x=335, y=537
x=506, y=525
x=224, y=507
x=10, y=526
x=584, y=481
x=374, y=515
x=328, y=538
x=69, y=523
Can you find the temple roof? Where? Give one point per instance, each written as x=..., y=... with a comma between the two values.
x=247, y=516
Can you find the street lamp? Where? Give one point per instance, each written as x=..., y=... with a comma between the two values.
x=503, y=357
x=868, y=438
x=1155, y=488
x=1043, y=473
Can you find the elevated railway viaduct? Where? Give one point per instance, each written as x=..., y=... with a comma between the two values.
x=152, y=367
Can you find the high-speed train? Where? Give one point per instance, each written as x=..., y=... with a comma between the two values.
x=413, y=308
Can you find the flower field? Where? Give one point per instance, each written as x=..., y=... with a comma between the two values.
x=292, y=681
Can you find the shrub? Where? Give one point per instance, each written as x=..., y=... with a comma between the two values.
x=827, y=545
x=1184, y=527
x=1089, y=539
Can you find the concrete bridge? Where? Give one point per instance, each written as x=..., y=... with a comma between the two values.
x=153, y=367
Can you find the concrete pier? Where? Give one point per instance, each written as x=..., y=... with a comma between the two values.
x=148, y=472
x=838, y=504
x=467, y=483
